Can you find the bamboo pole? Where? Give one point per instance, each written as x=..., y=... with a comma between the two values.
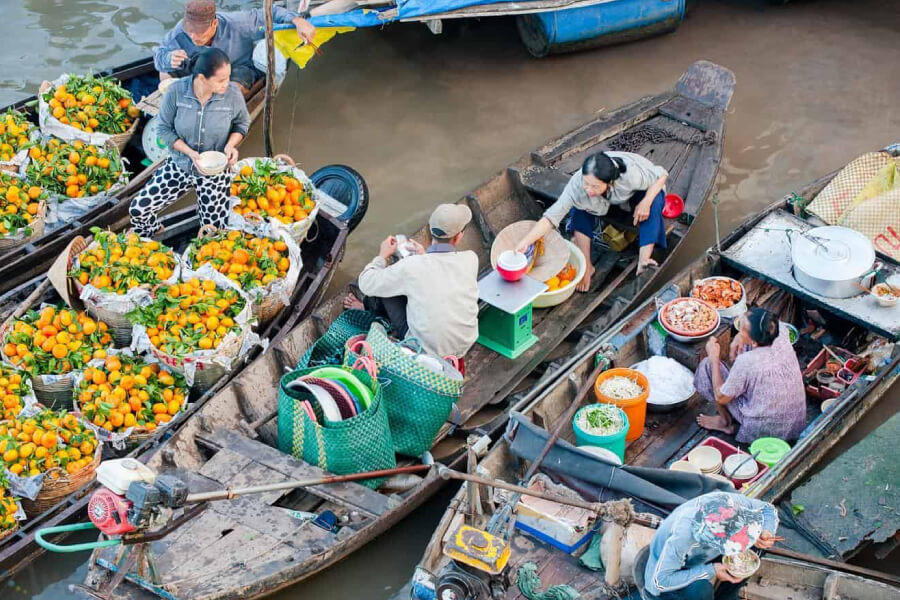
x=270, y=78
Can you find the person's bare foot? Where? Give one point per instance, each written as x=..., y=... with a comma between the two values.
x=585, y=283
x=351, y=302
x=647, y=265
x=715, y=423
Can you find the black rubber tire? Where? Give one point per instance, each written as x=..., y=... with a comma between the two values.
x=348, y=187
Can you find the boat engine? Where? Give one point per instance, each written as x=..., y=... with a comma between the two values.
x=461, y=582
x=133, y=497
x=477, y=569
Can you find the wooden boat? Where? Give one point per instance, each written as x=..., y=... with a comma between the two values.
x=31, y=260
x=211, y=450
x=321, y=257
x=668, y=436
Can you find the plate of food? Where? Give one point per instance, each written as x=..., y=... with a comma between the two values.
x=724, y=293
x=742, y=565
x=688, y=319
x=886, y=294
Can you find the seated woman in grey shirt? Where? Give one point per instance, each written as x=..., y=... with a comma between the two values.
x=198, y=113
x=622, y=180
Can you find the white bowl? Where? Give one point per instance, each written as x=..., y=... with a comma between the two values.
x=212, y=163
x=705, y=458
x=887, y=300
x=684, y=466
x=554, y=297
x=747, y=471
x=605, y=454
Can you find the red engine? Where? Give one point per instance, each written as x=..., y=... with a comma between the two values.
x=109, y=512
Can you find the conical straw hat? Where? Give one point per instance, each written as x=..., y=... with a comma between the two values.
x=548, y=263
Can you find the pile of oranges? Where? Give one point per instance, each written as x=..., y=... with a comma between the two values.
x=73, y=169
x=49, y=440
x=265, y=191
x=13, y=386
x=19, y=204
x=14, y=134
x=191, y=316
x=93, y=104
x=563, y=278
x=250, y=261
x=55, y=340
x=116, y=263
x=127, y=392
x=8, y=506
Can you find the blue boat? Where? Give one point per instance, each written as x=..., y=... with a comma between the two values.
x=604, y=24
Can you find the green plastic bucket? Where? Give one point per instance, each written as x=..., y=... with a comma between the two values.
x=770, y=449
x=614, y=443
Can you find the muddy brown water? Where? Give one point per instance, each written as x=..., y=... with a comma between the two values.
x=426, y=118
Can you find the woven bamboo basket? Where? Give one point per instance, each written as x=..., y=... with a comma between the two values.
x=8, y=532
x=37, y=230
x=117, y=140
x=119, y=325
x=55, y=490
x=207, y=370
x=268, y=305
x=54, y=394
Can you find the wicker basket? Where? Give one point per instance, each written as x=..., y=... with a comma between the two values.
x=55, y=490
x=119, y=325
x=54, y=394
x=37, y=230
x=8, y=532
x=207, y=370
x=268, y=305
x=69, y=133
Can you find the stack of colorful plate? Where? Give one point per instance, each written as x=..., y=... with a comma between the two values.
x=707, y=459
x=331, y=394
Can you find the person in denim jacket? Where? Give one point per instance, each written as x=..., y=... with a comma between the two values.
x=203, y=112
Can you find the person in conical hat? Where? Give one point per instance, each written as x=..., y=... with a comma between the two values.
x=431, y=295
x=622, y=180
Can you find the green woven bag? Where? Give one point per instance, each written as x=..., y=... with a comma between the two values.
x=418, y=399
x=355, y=445
x=329, y=349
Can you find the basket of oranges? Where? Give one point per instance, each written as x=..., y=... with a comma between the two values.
x=52, y=343
x=275, y=191
x=47, y=456
x=15, y=392
x=125, y=399
x=199, y=328
x=265, y=268
x=78, y=176
x=23, y=211
x=95, y=110
x=10, y=509
x=17, y=134
x=115, y=273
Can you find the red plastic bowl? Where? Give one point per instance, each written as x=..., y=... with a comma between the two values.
x=674, y=206
x=512, y=266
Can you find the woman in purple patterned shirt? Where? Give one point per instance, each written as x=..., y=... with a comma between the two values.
x=763, y=392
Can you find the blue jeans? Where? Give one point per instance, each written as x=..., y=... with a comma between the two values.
x=703, y=589
x=650, y=231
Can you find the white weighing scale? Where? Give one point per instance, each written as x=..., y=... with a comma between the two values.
x=504, y=325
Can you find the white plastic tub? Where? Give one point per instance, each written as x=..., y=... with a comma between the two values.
x=555, y=297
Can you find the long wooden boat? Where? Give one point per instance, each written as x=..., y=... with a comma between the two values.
x=277, y=550
x=668, y=436
x=321, y=257
x=31, y=260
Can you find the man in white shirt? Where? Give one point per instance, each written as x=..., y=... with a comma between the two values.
x=439, y=287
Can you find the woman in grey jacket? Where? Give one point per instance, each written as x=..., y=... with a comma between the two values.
x=198, y=113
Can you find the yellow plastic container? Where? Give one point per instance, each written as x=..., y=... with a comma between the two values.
x=635, y=408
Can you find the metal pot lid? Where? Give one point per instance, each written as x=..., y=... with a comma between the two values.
x=832, y=253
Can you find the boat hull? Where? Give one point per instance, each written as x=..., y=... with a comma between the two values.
x=605, y=24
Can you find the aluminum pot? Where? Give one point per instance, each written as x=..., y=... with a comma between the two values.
x=832, y=261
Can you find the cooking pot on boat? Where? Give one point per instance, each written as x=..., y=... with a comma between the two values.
x=832, y=261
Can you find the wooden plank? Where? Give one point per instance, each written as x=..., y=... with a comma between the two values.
x=546, y=183
x=258, y=474
x=253, y=513
x=239, y=545
x=225, y=585
x=708, y=83
x=692, y=112
x=352, y=495
x=224, y=465
x=194, y=537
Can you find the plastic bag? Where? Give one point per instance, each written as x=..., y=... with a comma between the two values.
x=232, y=346
x=50, y=125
